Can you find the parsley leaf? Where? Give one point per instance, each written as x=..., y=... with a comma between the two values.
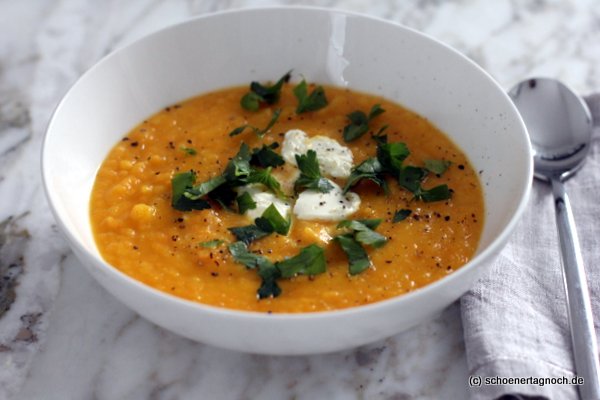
x=259, y=132
x=266, y=269
x=238, y=168
x=189, y=150
x=359, y=123
x=411, y=177
x=245, y=203
x=370, y=169
x=271, y=220
x=358, y=260
x=391, y=155
x=266, y=157
x=180, y=184
x=310, y=173
x=401, y=215
x=251, y=101
x=438, y=193
x=241, y=254
x=310, y=261
x=197, y=191
x=263, y=93
x=438, y=167
x=211, y=244
x=364, y=231
x=249, y=233
x=264, y=177
x=309, y=102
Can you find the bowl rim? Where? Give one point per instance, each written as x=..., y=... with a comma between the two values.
x=494, y=246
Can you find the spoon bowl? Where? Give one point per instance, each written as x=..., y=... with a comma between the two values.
x=559, y=123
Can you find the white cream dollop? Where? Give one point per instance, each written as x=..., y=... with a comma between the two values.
x=331, y=206
x=334, y=159
x=263, y=200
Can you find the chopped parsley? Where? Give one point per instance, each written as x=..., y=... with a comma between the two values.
x=187, y=196
x=259, y=132
x=390, y=162
x=266, y=157
x=309, y=102
x=266, y=269
x=369, y=169
x=263, y=94
x=264, y=177
x=437, y=167
x=249, y=233
x=245, y=203
x=271, y=220
x=359, y=123
x=362, y=232
x=309, y=261
x=401, y=215
x=358, y=259
x=181, y=184
x=310, y=174
x=190, y=151
x=211, y=244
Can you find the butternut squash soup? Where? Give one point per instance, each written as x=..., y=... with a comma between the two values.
x=286, y=197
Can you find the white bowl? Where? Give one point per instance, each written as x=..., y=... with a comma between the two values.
x=326, y=46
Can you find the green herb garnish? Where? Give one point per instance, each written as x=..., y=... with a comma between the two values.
x=369, y=169
x=266, y=269
x=259, y=132
x=411, y=179
x=186, y=196
x=266, y=157
x=359, y=123
x=189, y=150
x=362, y=232
x=309, y=102
x=272, y=220
x=310, y=173
x=211, y=244
x=391, y=155
x=180, y=184
x=245, y=203
x=264, y=177
x=438, y=193
x=249, y=233
x=309, y=261
x=401, y=215
x=358, y=259
x=390, y=162
x=438, y=167
x=261, y=94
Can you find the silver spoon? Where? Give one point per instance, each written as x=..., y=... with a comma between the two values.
x=560, y=129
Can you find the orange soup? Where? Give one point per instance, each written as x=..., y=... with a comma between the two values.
x=172, y=205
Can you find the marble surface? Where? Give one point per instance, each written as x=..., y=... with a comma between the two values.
x=64, y=337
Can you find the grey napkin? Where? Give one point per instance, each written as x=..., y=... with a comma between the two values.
x=515, y=318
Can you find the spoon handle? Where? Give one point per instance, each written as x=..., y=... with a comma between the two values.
x=583, y=337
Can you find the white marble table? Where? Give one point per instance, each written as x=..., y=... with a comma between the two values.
x=64, y=337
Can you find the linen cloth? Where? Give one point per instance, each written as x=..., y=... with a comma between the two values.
x=515, y=318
